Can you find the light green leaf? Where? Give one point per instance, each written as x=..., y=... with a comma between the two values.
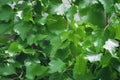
x=56, y=65
x=80, y=66
x=31, y=39
x=27, y=13
x=56, y=43
x=42, y=20
x=7, y=69
x=107, y=4
x=75, y=38
x=64, y=35
x=22, y=29
x=99, y=40
x=29, y=51
x=71, y=11
x=35, y=69
x=117, y=32
x=83, y=4
x=117, y=6
x=15, y=47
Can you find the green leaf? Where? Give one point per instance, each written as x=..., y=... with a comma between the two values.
x=71, y=11
x=59, y=39
x=31, y=39
x=105, y=74
x=59, y=76
x=93, y=13
x=29, y=51
x=83, y=7
x=80, y=66
x=7, y=69
x=87, y=76
x=107, y=4
x=56, y=65
x=15, y=47
x=6, y=13
x=56, y=1
x=3, y=39
x=55, y=42
x=27, y=13
x=99, y=40
x=35, y=69
x=64, y=35
x=63, y=54
x=117, y=32
x=2, y=78
x=56, y=24
x=34, y=38
x=75, y=50
x=117, y=6
x=105, y=61
x=89, y=12
x=3, y=2
x=43, y=20
x=22, y=29
x=4, y=28
x=75, y=38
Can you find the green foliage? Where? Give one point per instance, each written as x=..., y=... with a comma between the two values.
x=35, y=69
x=56, y=65
x=59, y=39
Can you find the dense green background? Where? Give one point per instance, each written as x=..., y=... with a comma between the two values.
x=59, y=39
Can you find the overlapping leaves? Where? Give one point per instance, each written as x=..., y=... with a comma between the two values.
x=59, y=39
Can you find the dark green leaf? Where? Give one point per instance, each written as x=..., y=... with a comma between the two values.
x=6, y=13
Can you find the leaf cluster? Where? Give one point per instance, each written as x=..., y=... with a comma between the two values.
x=59, y=39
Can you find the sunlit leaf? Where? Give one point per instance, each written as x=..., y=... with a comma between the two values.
x=56, y=65
x=80, y=66
x=107, y=4
x=94, y=57
x=15, y=47
x=111, y=45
